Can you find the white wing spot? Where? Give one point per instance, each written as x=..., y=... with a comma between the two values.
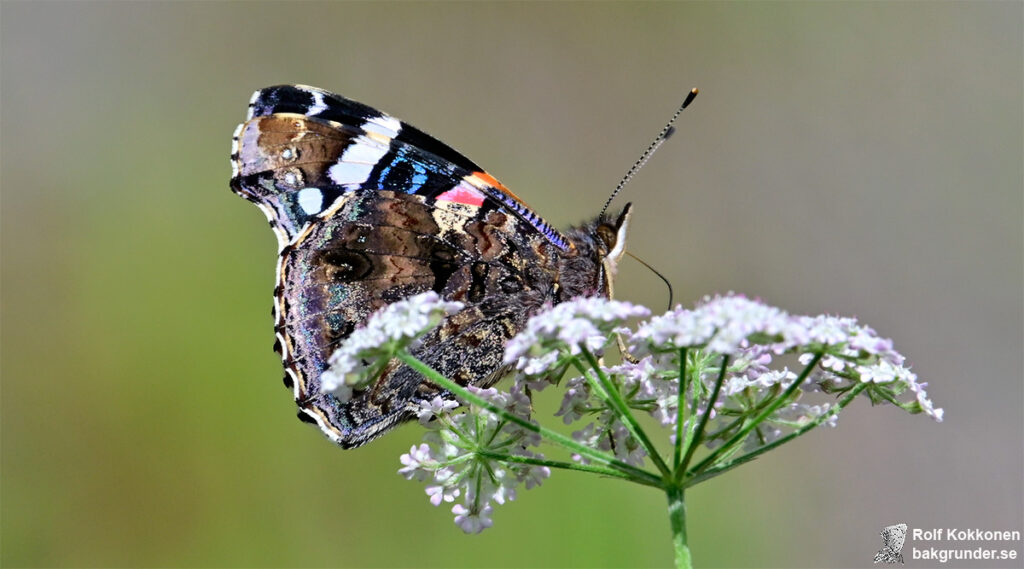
x=364, y=151
x=292, y=178
x=345, y=173
x=383, y=124
x=357, y=161
x=318, y=103
x=311, y=200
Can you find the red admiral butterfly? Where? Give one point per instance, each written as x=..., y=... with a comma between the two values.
x=369, y=210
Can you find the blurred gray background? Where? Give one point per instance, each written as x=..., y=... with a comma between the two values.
x=860, y=159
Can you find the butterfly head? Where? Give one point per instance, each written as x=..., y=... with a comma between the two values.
x=597, y=248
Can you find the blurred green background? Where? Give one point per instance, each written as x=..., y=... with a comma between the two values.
x=854, y=158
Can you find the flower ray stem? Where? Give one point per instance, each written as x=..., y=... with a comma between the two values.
x=696, y=387
x=435, y=377
x=698, y=435
x=722, y=469
x=680, y=411
x=622, y=410
x=611, y=472
x=729, y=445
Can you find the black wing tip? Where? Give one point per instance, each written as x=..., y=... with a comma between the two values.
x=288, y=98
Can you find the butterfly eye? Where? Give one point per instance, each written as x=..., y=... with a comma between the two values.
x=608, y=237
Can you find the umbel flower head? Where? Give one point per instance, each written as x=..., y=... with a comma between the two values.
x=714, y=375
x=458, y=457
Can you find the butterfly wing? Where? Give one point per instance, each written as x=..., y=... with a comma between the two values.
x=378, y=248
x=368, y=211
x=302, y=148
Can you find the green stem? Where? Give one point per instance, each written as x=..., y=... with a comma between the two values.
x=698, y=435
x=696, y=391
x=433, y=376
x=611, y=472
x=680, y=411
x=722, y=469
x=677, y=519
x=729, y=445
x=622, y=410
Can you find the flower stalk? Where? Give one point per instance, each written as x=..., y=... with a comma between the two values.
x=677, y=520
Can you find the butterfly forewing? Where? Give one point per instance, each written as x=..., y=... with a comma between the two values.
x=327, y=106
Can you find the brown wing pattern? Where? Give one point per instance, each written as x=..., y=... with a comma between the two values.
x=379, y=247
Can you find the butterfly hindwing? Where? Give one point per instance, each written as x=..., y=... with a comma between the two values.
x=379, y=247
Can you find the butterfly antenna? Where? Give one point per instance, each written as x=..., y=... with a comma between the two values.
x=660, y=276
x=658, y=141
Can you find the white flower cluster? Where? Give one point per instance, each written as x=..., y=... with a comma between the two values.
x=458, y=459
x=721, y=325
x=751, y=333
x=565, y=330
x=369, y=348
x=731, y=346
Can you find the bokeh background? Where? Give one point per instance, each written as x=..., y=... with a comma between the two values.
x=853, y=158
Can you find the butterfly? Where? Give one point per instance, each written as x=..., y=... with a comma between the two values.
x=369, y=210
